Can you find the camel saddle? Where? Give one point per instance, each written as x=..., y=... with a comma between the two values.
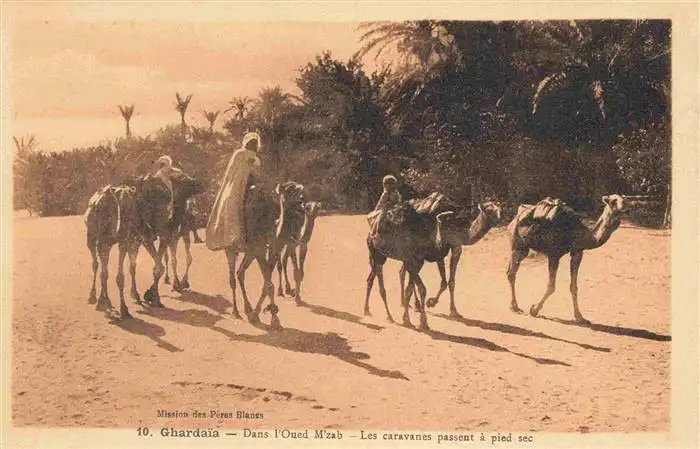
x=433, y=204
x=547, y=210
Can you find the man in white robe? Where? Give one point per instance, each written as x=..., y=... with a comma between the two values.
x=226, y=224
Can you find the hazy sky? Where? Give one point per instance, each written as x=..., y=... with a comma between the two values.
x=72, y=64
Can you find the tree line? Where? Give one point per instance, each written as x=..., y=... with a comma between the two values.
x=513, y=111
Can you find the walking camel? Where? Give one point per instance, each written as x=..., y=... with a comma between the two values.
x=552, y=228
x=122, y=215
x=409, y=237
x=457, y=231
x=265, y=222
x=301, y=241
x=183, y=187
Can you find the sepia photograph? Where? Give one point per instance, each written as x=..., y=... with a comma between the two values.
x=348, y=228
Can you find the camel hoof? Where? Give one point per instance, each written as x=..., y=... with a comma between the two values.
x=185, y=284
x=516, y=309
x=280, y=293
x=103, y=305
x=236, y=314
x=92, y=299
x=275, y=323
x=125, y=315
x=177, y=286
x=407, y=323
x=455, y=314
x=136, y=297
x=291, y=292
x=367, y=312
x=582, y=320
x=424, y=327
x=298, y=302
x=534, y=311
x=432, y=302
x=390, y=320
x=272, y=308
x=167, y=280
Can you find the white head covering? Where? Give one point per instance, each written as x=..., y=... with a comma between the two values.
x=164, y=161
x=252, y=136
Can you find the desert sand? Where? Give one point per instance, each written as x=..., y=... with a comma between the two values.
x=330, y=367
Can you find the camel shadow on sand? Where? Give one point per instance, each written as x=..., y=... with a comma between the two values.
x=340, y=315
x=515, y=330
x=486, y=344
x=289, y=339
x=150, y=330
x=615, y=330
x=217, y=303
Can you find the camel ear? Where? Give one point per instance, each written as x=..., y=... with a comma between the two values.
x=277, y=189
x=606, y=200
x=481, y=208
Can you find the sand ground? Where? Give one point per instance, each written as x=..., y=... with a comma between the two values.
x=333, y=368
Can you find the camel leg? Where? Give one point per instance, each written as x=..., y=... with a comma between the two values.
x=267, y=267
x=297, y=278
x=166, y=260
x=172, y=246
x=370, y=283
x=551, y=285
x=433, y=300
x=152, y=296
x=576, y=258
x=415, y=279
x=402, y=279
x=133, y=251
x=123, y=310
x=407, y=295
x=303, y=250
x=280, y=262
x=103, y=302
x=242, y=268
x=185, y=282
x=455, y=255
x=290, y=252
x=516, y=256
x=92, y=299
x=231, y=256
x=382, y=292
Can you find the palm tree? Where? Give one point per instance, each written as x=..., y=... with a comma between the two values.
x=127, y=112
x=211, y=118
x=240, y=106
x=181, y=107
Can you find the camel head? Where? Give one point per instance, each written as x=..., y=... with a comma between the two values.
x=312, y=208
x=290, y=193
x=491, y=211
x=612, y=211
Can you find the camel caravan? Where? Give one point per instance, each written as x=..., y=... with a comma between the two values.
x=273, y=226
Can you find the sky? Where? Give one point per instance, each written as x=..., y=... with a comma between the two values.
x=71, y=65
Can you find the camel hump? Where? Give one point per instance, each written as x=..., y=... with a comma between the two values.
x=433, y=204
x=550, y=209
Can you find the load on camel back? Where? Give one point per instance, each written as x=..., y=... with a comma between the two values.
x=411, y=213
x=548, y=210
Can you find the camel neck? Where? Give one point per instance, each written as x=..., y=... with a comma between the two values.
x=602, y=230
x=478, y=229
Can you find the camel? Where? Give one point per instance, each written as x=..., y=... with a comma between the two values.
x=552, y=228
x=457, y=232
x=121, y=215
x=183, y=187
x=301, y=241
x=265, y=221
x=409, y=237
